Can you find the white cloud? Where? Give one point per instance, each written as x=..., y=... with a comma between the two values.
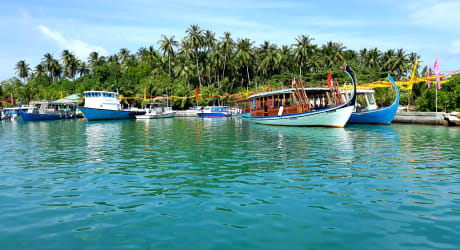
x=455, y=48
x=81, y=49
x=443, y=15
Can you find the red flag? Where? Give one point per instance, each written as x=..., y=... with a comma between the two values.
x=268, y=89
x=329, y=80
x=11, y=98
x=196, y=93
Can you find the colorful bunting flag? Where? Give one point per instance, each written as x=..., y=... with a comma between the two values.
x=436, y=72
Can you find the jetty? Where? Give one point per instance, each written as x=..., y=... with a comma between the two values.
x=428, y=118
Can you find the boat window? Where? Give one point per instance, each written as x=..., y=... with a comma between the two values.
x=370, y=98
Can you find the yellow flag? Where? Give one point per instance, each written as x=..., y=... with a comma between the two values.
x=247, y=91
x=145, y=94
x=62, y=98
x=411, y=83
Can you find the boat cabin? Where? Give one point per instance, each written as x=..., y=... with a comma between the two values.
x=102, y=100
x=364, y=99
x=47, y=107
x=293, y=100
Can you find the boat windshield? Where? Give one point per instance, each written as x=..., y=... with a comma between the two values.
x=370, y=99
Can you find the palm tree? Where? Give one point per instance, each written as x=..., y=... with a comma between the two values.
x=124, y=54
x=167, y=44
x=303, y=50
x=83, y=68
x=93, y=59
x=270, y=57
x=22, y=69
x=387, y=60
x=195, y=41
x=55, y=69
x=39, y=70
x=47, y=61
x=226, y=48
x=285, y=53
x=372, y=59
x=70, y=63
x=399, y=64
x=244, y=55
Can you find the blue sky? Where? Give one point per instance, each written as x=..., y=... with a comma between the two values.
x=32, y=28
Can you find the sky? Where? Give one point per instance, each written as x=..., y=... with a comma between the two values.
x=31, y=28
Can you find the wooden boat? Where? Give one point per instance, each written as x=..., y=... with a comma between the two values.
x=300, y=106
x=243, y=107
x=373, y=115
x=47, y=110
x=214, y=111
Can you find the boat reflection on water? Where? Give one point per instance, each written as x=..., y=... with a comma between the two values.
x=335, y=145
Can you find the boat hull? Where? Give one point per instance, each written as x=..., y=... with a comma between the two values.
x=43, y=117
x=92, y=114
x=211, y=115
x=331, y=117
x=378, y=116
x=156, y=116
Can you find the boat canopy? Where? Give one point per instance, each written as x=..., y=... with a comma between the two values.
x=289, y=90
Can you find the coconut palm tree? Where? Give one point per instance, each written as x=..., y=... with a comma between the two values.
x=372, y=59
x=123, y=55
x=270, y=58
x=39, y=70
x=195, y=40
x=167, y=45
x=226, y=47
x=22, y=69
x=302, y=50
x=93, y=59
x=399, y=64
x=244, y=55
x=83, y=68
x=47, y=61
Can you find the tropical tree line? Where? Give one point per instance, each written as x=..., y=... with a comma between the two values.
x=217, y=65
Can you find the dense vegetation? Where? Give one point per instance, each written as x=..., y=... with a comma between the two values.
x=219, y=66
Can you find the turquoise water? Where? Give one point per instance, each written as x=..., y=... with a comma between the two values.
x=227, y=184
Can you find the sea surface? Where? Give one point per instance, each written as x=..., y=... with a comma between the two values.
x=227, y=184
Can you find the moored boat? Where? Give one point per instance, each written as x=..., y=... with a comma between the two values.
x=300, y=106
x=157, y=110
x=47, y=110
x=368, y=112
x=103, y=105
x=214, y=111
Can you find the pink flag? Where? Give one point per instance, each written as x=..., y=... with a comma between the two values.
x=11, y=98
x=436, y=72
x=428, y=75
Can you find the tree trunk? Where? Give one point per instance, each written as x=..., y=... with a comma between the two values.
x=223, y=72
x=169, y=60
x=247, y=70
x=197, y=68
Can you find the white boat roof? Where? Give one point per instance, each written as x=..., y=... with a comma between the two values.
x=100, y=91
x=283, y=91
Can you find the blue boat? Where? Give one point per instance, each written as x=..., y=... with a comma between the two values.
x=215, y=111
x=377, y=115
x=45, y=111
x=103, y=105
